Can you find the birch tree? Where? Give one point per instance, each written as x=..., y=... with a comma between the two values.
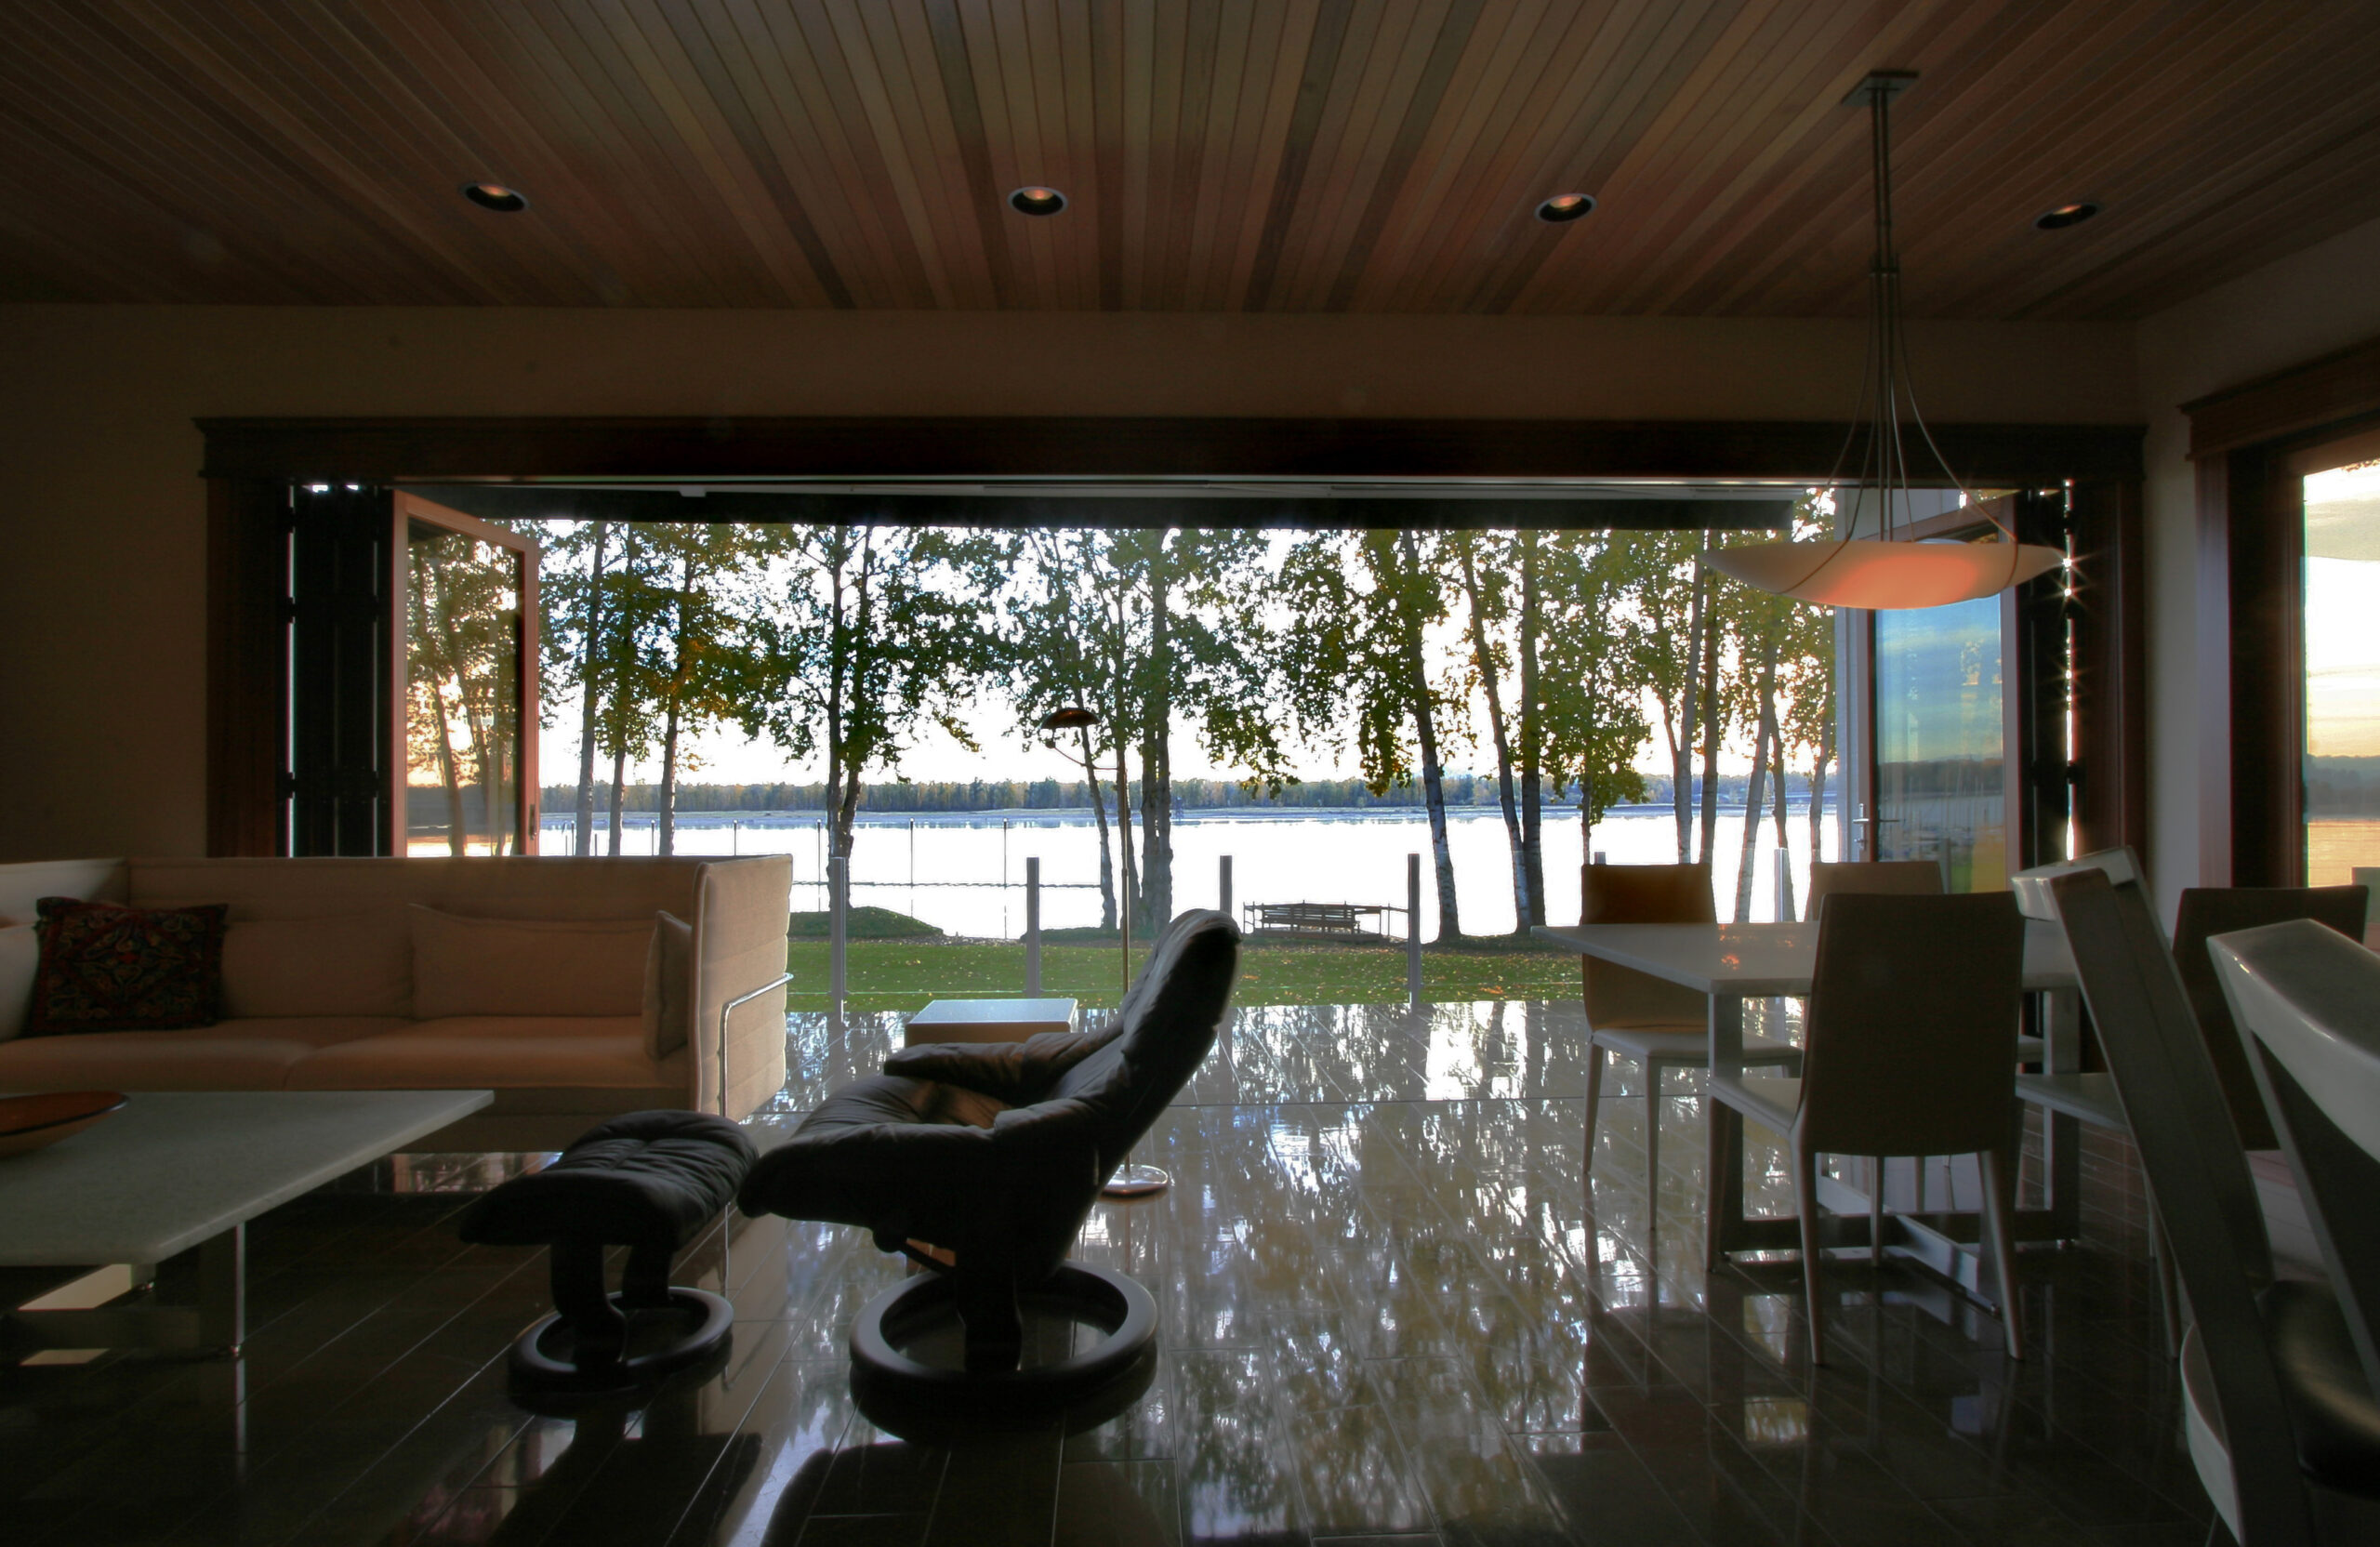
x=1364, y=601
x=874, y=631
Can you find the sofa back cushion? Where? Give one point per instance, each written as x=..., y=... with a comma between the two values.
x=348, y=964
x=93, y=881
x=466, y=966
x=511, y=887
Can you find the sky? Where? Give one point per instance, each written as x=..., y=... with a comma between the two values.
x=2342, y=647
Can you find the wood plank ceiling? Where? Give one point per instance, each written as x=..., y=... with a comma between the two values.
x=1283, y=155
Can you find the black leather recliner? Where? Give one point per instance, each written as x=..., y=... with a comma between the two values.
x=994, y=1153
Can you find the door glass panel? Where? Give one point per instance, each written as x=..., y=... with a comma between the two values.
x=2342, y=753
x=1940, y=790
x=463, y=725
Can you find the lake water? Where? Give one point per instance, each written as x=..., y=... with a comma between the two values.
x=965, y=872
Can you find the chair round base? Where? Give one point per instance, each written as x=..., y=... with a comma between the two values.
x=534, y=1363
x=883, y=1374
x=1134, y=1180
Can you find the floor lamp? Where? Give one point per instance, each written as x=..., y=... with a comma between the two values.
x=1131, y=1179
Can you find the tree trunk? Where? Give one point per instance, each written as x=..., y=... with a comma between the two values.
x=1426, y=731
x=1681, y=742
x=1156, y=758
x=620, y=782
x=1129, y=904
x=1533, y=739
x=458, y=830
x=1756, y=789
x=839, y=653
x=584, y=842
x=1711, y=721
x=1106, y=861
x=666, y=813
x=667, y=816
x=1486, y=663
x=1785, y=909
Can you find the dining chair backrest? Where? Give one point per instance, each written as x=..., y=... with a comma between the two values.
x=2309, y=1001
x=2211, y=911
x=1619, y=995
x=1901, y=877
x=1909, y=1042
x=2197, y=1173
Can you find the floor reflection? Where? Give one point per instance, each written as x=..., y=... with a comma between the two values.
x=1396, y=1303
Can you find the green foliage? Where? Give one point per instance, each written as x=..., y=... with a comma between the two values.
x=902, y=976
x=862, y=923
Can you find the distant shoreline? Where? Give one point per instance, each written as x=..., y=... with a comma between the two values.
x=1072, y=815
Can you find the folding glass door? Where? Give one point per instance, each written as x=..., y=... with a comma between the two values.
x=1958, y=717
x=413, y=700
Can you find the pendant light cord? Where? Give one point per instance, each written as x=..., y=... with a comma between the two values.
x=1884, y=370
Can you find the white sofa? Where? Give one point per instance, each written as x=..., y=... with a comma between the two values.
x=333, y=980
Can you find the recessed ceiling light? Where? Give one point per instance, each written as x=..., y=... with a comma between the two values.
x=495, y=197
x=1036, y=200
x=1565, y=207
x=2064, y=215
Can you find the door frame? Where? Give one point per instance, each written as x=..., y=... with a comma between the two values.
x=406, y=509
x=2247, y=442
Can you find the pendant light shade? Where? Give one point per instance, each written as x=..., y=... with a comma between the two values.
x=1865, y=571
x=1886, y=570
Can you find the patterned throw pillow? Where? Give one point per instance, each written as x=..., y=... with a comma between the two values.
x=108, y=968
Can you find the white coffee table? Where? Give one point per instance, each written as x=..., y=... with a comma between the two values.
x=179, y=1171
x=990, y=1020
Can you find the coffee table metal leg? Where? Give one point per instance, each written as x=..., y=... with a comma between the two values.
x=223, y=1290
x=216, y=1322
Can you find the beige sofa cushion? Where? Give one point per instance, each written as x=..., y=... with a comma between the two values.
x=527, y=967
x=512, y=887
x=354, y=964
x=669, y=987
x=229, y=1055
x=468, y=1052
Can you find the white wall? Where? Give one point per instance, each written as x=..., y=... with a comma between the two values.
x=102, y=599
x=2321, y=299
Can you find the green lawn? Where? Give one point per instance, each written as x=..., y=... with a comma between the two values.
x=903, y=974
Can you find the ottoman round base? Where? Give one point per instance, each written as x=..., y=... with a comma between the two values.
x=1077, y=1293
x=535, y=1362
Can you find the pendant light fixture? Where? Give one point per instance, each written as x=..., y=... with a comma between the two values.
x=1886, y=570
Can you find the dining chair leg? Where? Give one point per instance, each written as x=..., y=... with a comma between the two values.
x=1875, y=1211
x=1806, y=1205
x=1715, y=1177
x=2169, y=1289
x=1594, y=1104
x=2000, y=1226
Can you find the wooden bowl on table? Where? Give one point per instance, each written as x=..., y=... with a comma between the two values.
x=28, y=1123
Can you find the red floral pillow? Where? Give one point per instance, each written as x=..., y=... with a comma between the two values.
x=109, y=968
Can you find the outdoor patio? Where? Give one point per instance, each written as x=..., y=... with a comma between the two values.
x=1388, y=1311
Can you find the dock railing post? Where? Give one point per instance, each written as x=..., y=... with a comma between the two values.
x=1223, y=886
x=839, y=893
x=1413, y=928
x=1032, y=927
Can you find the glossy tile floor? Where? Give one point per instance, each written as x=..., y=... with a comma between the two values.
x=1392, y=1311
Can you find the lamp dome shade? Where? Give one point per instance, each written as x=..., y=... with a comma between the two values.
x=1073, y=717
x=1865, y=571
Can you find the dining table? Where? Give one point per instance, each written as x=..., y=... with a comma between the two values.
x=1733, y=965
